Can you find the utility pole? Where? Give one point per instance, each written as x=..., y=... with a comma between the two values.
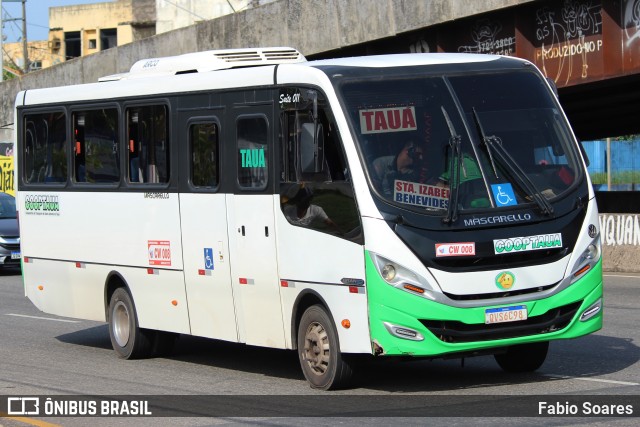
x=25, y=51
x=1, y=51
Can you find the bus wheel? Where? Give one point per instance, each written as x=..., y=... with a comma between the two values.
x=319, y=351
x=127, y=339
x=524, y=357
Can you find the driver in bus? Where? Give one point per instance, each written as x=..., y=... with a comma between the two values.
x=408, y=165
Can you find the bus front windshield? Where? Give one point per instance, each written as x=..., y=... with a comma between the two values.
x=444, y=144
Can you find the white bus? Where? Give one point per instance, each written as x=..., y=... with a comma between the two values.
x=425, y=205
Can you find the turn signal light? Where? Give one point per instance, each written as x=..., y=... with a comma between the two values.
x=346, y=323
x=413, y=288
x=582, y=270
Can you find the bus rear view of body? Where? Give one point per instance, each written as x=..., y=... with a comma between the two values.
x=425, y=205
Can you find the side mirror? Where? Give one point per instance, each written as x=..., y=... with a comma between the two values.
x=311, y=147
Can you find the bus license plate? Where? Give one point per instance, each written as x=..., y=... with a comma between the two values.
x=505, y=314
x=15, y=255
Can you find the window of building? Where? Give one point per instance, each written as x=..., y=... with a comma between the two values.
x=252, y=152
x=148, y=148
x=44, y=159
x=108, y=38
x=203, y=143
x=72, y=44
x=92, y=44
x=95, y=146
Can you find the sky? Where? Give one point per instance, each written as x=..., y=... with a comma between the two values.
x=37, y=17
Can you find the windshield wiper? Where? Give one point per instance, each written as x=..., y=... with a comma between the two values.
x=493, y=145
x=454, y=172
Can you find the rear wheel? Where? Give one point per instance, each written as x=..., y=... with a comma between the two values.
x=524, y=357
x=127, y=338
x=319, y=351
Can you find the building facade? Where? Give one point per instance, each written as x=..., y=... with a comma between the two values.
x=81, y=30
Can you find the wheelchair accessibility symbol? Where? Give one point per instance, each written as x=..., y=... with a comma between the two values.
x=503, y=194
x=208, y=258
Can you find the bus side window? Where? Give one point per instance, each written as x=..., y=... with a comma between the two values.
x=45, y=158
x=252, y=152
x=315, y=191
x=204, y=150
x=95, y=146
x=147, y=146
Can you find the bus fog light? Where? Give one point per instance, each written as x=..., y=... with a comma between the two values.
x=403, y=332
x=593, y=310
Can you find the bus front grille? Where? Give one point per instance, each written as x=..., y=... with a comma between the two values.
x=452, y=331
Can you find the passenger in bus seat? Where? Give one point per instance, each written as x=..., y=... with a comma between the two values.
x=300, y=211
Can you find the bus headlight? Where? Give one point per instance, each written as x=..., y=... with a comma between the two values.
x=587, y=259
x=401, y=277
x=388, y=272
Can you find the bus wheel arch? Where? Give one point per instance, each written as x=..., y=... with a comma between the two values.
x=318, y=345
x=306, y=299
x=129, y=341
x=113, y=282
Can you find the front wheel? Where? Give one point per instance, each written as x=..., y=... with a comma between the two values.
x=128, y=340
x=524, y=357
x=319, y=351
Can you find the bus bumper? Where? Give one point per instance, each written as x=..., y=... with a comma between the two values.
x=442, y=330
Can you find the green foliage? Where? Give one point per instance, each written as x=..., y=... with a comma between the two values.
x=626, y=177
x=6, y=75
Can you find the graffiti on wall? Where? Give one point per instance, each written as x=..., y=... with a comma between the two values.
x=569, y=38
x=620, y=230
x=487, y=38
x=631, y=21
x=421, y=46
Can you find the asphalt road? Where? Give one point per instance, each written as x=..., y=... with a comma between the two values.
x=44, y=355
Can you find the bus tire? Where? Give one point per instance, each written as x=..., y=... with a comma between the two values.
x=524, y=357
x=319, y=351
x=127, y=338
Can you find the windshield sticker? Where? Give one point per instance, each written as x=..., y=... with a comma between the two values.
x=529, y=243
x=503, y=194
x=414, y=193
x=382, y=120
x=496, y=219
x=455, y=249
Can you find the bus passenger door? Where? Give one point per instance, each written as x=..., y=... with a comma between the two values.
x=203, y=213
x=254, y=272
